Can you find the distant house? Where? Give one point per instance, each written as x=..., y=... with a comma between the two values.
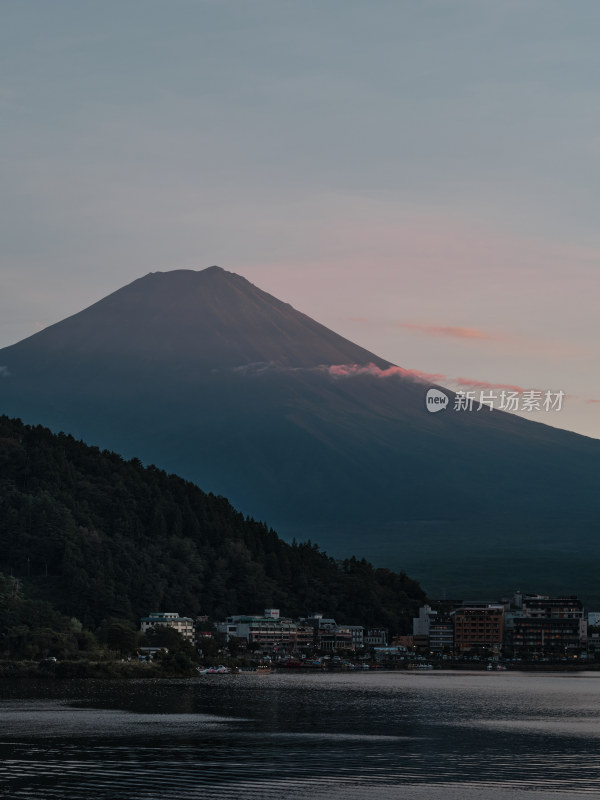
x=183, y=625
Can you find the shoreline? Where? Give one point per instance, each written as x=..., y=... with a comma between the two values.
x=131, y=670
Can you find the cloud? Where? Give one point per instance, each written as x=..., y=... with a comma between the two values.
x=477, y=384
x=347, y=371
x=339, y=370
x=356, y=370
x=451, y=331
x=4, y=373
x=352, y=370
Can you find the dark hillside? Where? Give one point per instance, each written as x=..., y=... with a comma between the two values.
x=101, y=537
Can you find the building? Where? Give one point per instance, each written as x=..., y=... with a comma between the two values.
x=183, y=625
x=422, y=623
x=478, y=627
x=593, y=619
x=389, y=653
x=441, y=635
x=305, y=637
x=269, y=632
x=568, y=607
x=376, y=637
x=319, y=622
x=358, y=636
x=328, y=635
x=549, y=625
x=338, y=638
x=546, y=636
x=406, y=641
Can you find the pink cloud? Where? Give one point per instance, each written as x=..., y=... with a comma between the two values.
x=451, y=331
x=343, y=371
x=351, y=370
x=475, y=384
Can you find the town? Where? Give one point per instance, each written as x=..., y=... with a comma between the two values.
x=527, y=628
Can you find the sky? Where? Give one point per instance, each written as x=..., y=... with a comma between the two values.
x=420, y=176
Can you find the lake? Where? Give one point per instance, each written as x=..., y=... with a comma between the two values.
x=451, y=735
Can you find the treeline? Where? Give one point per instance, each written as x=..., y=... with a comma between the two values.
x=97, y=537
x=33, y=629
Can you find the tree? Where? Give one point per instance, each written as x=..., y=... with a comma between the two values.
x=119, y=635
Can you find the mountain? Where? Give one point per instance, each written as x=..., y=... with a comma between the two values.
x=211, y=319
x=206, y=375
x=100, y=537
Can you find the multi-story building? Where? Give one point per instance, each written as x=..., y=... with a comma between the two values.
x=376, y=637
x=329, y=635
x=422, y=623
x=545, y=635
x=478, y=626
x=337, y=638
x=319, y=622
x=441, y=635
x=305, y=637
x=183, y=625
x=561, y=607
x=268, y=632
x=549, y=625
x=358, y=636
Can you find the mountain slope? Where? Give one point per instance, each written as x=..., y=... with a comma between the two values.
x=101, y=537
x=207, y=319
x=206, y=375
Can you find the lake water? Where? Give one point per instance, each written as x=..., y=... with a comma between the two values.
x=457, y=736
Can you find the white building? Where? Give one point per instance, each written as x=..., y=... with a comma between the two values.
x=422, y=622
x=269, y=631
x=183, y=625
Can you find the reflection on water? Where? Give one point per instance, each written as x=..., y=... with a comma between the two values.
x=386, y=735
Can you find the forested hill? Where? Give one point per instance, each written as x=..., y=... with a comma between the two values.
x=101, y=537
